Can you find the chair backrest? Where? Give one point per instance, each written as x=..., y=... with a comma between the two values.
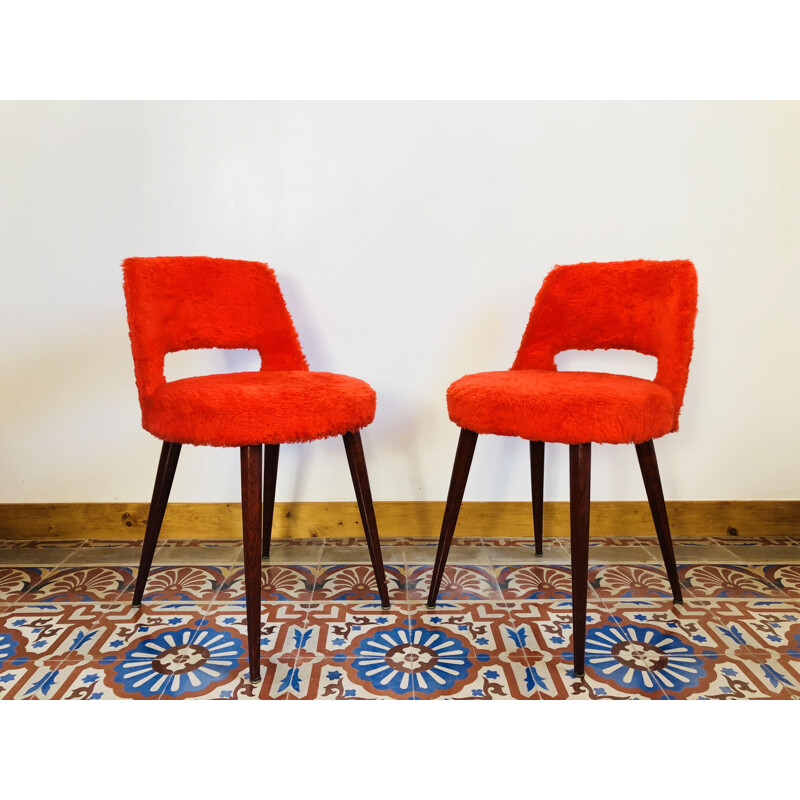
x=646, y=306
x=186, y=303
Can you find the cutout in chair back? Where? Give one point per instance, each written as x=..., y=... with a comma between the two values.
x=616, y=362
x=209, y=361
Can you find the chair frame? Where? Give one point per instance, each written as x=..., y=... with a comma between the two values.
x=580, y=462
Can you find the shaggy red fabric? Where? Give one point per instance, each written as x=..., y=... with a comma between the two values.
x=269, y=407
x=184, y=303
x=647, y=306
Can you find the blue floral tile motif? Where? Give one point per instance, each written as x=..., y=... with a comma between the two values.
x=8, y=646
x=649, y=659
x=424, y=661
x=177, y=663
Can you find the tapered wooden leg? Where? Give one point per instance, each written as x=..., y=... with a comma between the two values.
x=646, y=453
x=580, y=467
x=358, y=472
x=537, y=493
x=458, y=481
x=251, y=526
x=158, y=505
x=271, y=453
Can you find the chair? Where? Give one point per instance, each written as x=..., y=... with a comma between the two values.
x=186, y=303
x=647, y=306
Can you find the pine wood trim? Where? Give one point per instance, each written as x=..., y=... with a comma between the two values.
x=415, y=519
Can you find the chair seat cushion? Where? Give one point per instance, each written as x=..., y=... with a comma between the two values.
x=568, y=407
x=248, y=408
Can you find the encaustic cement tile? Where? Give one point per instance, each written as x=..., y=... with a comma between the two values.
x=458, y=583
x=81, y=584
x=395, y=658
x=785, y=576
x=356, y=583
x=726, y=580
x=545, y=629
x=627, y=580
x=16, y=582
x=279, y=583
x=534, y=582
x=169, y=584
x=692, y=655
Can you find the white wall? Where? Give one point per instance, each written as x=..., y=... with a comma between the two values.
x=410, y=240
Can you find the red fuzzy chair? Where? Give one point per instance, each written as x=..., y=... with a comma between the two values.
x=647, y=306
x=187, y=303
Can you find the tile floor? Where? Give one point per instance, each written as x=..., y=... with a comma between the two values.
x=502, y=629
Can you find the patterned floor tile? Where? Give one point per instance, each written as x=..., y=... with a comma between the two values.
x=15, y=582
x=726, y=580
x=280, y=582
x=458, y=583
x=357, y=583
x=546, y=629
x=534, y=582
x=691, y=655
x=629, y=580
x=81, y=584
x=785, y=576
x=23, y=679
x=164, y=584
x=502, y=628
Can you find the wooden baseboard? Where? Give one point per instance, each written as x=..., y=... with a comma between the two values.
x=415, y=519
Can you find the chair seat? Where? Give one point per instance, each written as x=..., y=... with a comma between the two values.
x=248, y=408
x=568, y=407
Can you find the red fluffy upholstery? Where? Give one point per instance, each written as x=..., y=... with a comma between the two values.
x=647, y=306
x=269, y=407
x=187, y=303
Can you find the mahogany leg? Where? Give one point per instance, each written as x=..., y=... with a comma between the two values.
x=537, y=493
x=358, y=472
x=271, y=453
x=580, y=467
x=158, y=505
x=458, y=481
x=251, y=526
x=655, y=496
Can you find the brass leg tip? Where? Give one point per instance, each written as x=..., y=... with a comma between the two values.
x=431, y=607
x=255, y=680
x=579, y=674
x=136, y=605
x=386, y=608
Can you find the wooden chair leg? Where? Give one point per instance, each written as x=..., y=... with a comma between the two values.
x=158, y=505
x=358, y=472
x=251, y=526
x=580, y=467
x=646, y=453
x=458, y=481
x=271, y=453
x=537, y=493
